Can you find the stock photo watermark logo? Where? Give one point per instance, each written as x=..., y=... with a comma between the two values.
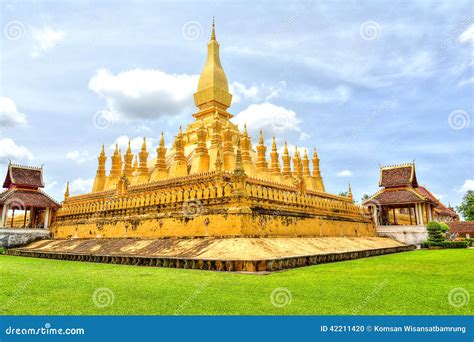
x=199, y=289
x=365, y=211
x=13, y=299
x=371, y=297
x=14, y=30
x=458, y=297
x=192, y=208
x=279, y=122
x=374, y=115
x=15, y=204
x=370, y=30
x=192, y=30
x=459, y=119
x=103, y=119
x=103, y=297
x=281, y=297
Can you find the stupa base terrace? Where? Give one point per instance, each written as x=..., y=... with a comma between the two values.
x=238, y=254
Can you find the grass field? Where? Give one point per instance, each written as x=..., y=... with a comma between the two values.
x=415, y=283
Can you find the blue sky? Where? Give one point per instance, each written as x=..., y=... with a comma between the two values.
x=366, y=83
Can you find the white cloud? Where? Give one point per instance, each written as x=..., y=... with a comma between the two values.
x=10, y=150
x=468, y=35
x=79, y=156
x=80, y=186
x=145, y=94
x=466, y=81
x=344, y=173
x=45, y=39
x=272, y=119
x=468, y=185
x=239, y=91
x=262, y=92
x=304, y=136
x=339, y=94
x=438, y=196
x=9, y=114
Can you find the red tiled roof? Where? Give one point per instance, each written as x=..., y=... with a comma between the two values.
x=425, y=192
x=22, y=198
x=441, y=208
x=461, y=227
x=24, y=176
x=398, y=196
x=401, y=175
x=443, y=211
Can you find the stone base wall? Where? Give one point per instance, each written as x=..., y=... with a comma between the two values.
x=410, y=235
x=217, y=225
x=11, y=238
x=253, y=266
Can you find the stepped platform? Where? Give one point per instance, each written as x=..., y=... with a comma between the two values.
x=240, y=254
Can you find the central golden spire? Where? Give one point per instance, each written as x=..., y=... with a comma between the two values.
x=213, y=89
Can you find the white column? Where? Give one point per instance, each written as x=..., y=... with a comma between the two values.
x=428, y=208
x=420, y=209
x=417, y=215
x=3, y=218
x=376, y=215
x=46, y=218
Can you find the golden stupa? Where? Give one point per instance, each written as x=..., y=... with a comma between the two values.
x=212, y=182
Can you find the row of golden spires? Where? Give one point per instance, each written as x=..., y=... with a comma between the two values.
x=135, y=167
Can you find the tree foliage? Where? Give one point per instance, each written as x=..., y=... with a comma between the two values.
x=466, y=208
x=444, y=227
x=435, y=234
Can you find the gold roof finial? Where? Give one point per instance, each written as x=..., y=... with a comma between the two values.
x=260, y=140
x=285, y=149
x=274, y=145
x=315, y=154
x=135, y=163
x=213, y=34
x=66, y=193
x=213, y=86
x=144, y=144
x=162, y=140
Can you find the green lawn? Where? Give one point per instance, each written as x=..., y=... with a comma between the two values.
x=415, y=283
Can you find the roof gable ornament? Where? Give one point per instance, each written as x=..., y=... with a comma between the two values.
x=398, y=175
x=23, y=176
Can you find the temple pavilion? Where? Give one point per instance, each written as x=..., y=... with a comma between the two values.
x=23, y=204
x=401, y=201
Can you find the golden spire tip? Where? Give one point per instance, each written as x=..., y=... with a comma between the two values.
x=213, y=34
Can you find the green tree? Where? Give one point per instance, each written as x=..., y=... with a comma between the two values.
x=444, y=227
x=365, y=197
x=466, y=208
x=435, y=234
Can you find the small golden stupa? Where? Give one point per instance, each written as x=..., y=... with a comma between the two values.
x=212, y=182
